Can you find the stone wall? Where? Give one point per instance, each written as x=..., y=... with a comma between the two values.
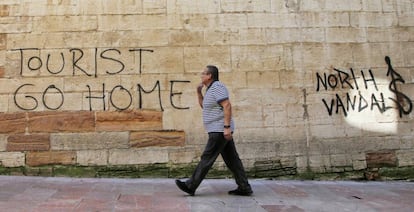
x=316, y=86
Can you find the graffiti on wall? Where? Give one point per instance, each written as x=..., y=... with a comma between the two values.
x=361, y=101
x=30, y=62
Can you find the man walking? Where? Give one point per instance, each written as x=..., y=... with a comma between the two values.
x=219, y=124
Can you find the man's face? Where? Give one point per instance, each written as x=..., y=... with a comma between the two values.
x=205, y=76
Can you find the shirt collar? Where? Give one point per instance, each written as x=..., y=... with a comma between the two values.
x=211, y=84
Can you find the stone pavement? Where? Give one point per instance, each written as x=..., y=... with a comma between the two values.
x=18, y=193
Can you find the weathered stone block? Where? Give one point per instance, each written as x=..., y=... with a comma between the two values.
x=337, y=5
x=359, y=162
x=406, y=20
x=262, y=150
x=157, y=138
x=341, y=160
x=129, y=120
x=4, y=10
x=310, y=55
x=11, y=159
x=408, y=50
x=320, y=163
x=116, y=7
x=77, y=121
x=405, y=157
x=260, y=58
x=134, y=156
x=289, y=161
x=172, y=119
x=12, y=122
x=165, y=60
x=72, y=102
x=372, y=6
x=3, y=143
x=195, y=58
x=336, y=54
x=92, y=157
x=254, y=117
x=227, y=21
x=192, y=7
x=335, y=19
x=407, y=143
x=302, y=163
x=373, y=19
x=32, y=142
x=381, y=159
x=184, y=155
x=16, y=25
x=4, y=103
x=233, y=80
x=317, y=147
x=72, y=23
x=230, y=36
x=384, y=35
x=2, y=72
x=132, y=22
x=327, y=131
x=154, y=7
x=292, y=134
x=345, y=35
x=89, y=141
x=3, y=43
x=246, y=6
x=186, y=38
x=147, y=37
x=272, y=20
x=80, y=39
x=274, y=115
x=408, y=90
x=50, y=158
x=16, y=41
x=263, y=79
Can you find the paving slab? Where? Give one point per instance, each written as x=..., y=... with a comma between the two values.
x=41, y=194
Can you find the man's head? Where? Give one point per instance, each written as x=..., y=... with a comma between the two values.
x=209, y=75
x=213, y=70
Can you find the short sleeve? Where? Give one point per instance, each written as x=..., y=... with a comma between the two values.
x=220, y=92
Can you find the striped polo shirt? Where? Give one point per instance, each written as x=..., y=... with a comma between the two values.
x=213, y=114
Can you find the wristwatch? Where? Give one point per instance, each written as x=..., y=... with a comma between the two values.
x=226, y=126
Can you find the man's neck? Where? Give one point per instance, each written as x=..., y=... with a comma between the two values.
x=209, y=83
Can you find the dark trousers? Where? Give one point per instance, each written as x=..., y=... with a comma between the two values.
x=216, y=145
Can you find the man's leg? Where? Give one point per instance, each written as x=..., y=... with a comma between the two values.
x=233, y=162
x=213, y=148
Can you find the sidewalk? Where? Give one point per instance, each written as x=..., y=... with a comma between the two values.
x=93, y=194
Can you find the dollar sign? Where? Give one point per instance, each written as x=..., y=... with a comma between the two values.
x=401, y=97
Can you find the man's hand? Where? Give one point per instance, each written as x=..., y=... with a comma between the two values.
x=199, y=94
x=200, y=87
x=227, y=134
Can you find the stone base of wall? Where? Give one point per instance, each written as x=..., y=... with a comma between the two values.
x=185, y=170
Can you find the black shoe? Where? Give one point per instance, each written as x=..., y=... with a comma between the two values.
x=184, y=187
x=241, y=192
